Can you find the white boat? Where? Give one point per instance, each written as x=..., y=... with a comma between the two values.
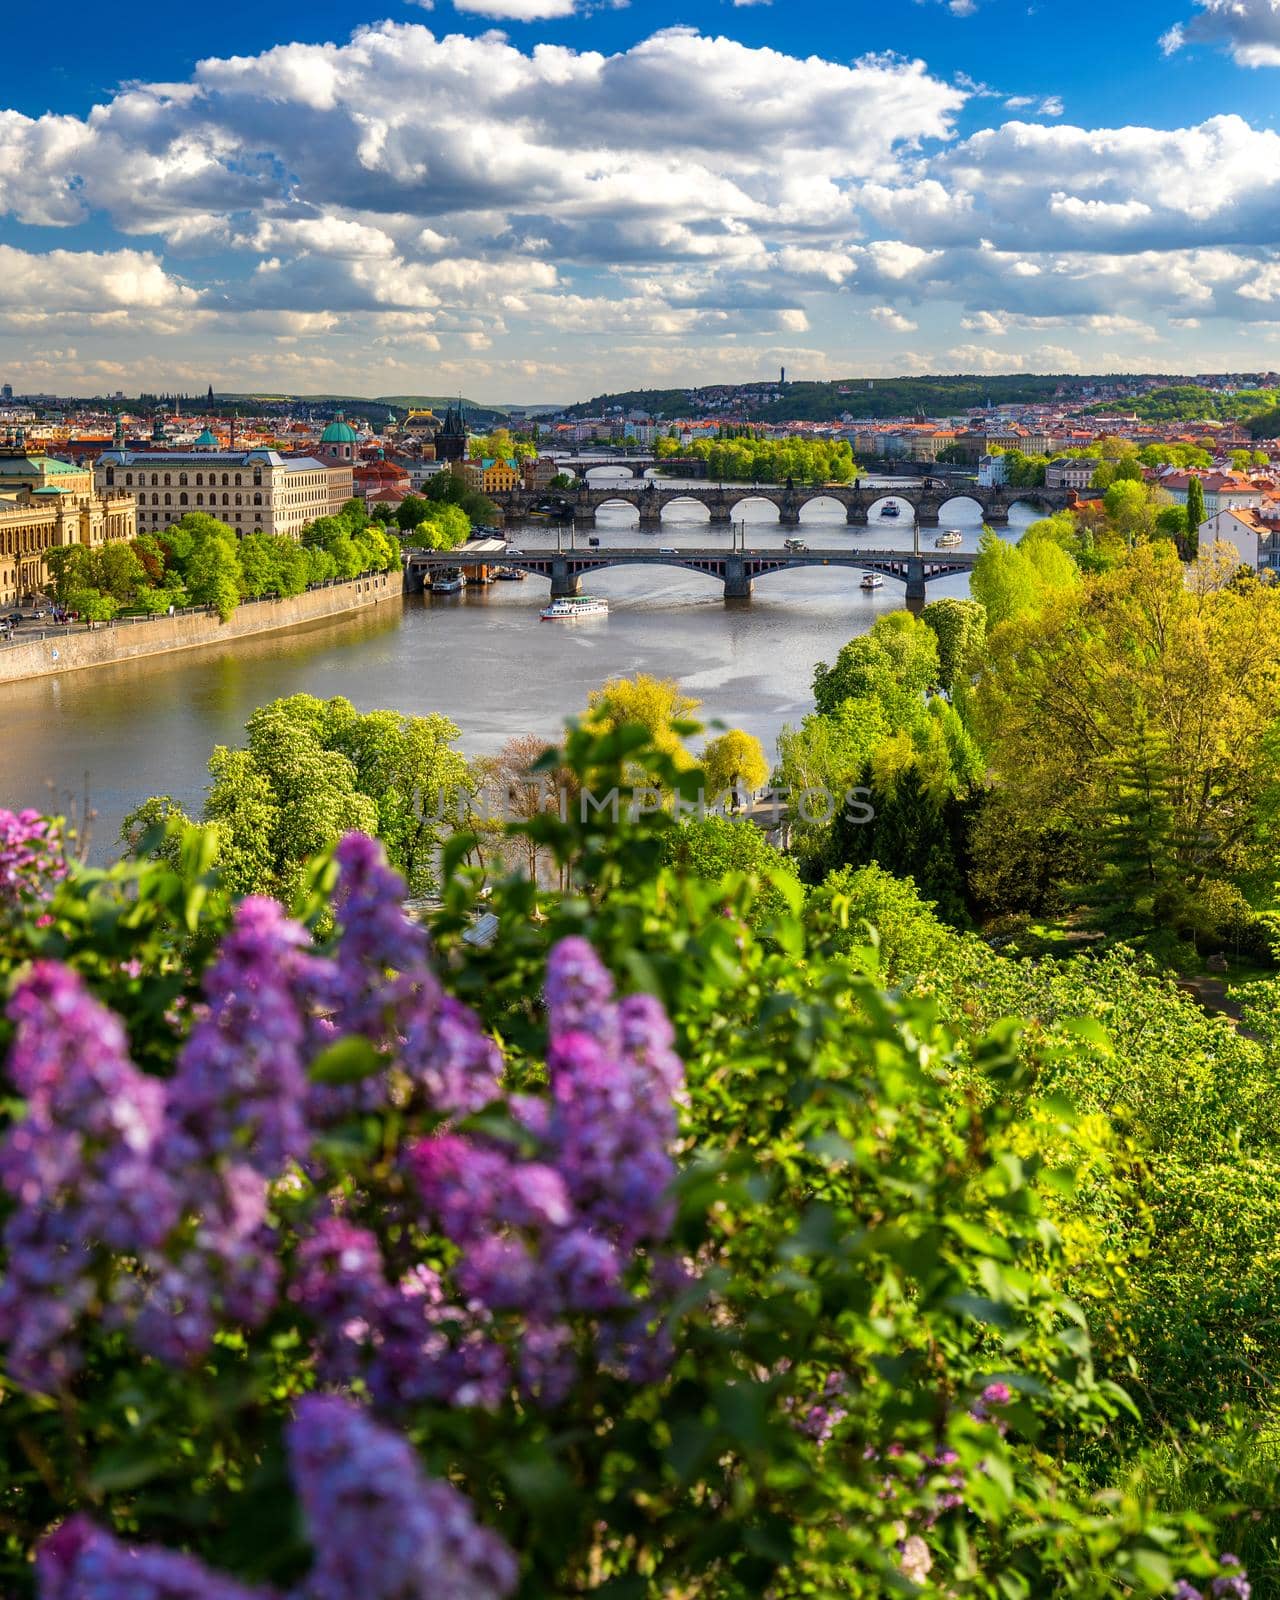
x=447, y=583
x=949, y=540
x=891, y=509
x=873, y=580
x=574, y=606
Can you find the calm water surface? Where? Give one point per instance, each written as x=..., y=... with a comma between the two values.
x=482, y=658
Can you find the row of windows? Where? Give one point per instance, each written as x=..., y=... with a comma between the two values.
x=184, y=499
x=182, y=478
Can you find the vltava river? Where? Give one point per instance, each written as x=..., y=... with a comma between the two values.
x=482, y=658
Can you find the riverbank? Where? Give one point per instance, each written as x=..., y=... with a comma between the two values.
x=71, y=650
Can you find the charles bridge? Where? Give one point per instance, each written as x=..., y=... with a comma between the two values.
x=927, y=500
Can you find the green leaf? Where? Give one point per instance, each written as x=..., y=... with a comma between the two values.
x=347, y=1061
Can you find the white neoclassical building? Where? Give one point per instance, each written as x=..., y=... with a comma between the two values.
x=253, y=491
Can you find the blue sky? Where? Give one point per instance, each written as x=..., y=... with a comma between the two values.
x=542, y=199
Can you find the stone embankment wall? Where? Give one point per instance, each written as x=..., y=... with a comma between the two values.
x=68, y=650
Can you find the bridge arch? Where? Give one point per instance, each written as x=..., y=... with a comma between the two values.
x=905, y=505
x=685, y=508
x=612, y=472
x=755, y=498
x=619, y=502
x=822, y=508
x=969, y=502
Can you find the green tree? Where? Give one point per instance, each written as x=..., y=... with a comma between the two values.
x=212, y=571
x=961, y=630
x=897, y=659
x=734, y=762
x=1196, y=514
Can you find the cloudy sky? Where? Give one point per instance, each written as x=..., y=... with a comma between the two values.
x=537, y=200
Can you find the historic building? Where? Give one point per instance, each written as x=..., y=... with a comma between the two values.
x=337, y=445
x=451, y=438
x=493, y=475
x=46, y=505
x=253, y=491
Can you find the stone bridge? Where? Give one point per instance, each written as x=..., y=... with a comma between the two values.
x=927, y=501
x=736, y=569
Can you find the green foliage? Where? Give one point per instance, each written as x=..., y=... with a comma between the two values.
x=1016, y=580
x=717, y=848
x=313, y=770
x=961, y=629
x=896, y=661
x=752, y=460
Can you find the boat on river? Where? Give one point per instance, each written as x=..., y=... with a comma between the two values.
x=949, y=540
x=448, y=581
x=891, y=508
x=511, y=575
x=574, y=607
x=873, y=580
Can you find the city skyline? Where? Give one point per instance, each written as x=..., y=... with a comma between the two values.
x=601, y=198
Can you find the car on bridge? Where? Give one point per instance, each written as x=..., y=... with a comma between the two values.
x=667, y=550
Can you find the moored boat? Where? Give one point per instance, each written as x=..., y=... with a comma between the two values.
x=447, y=581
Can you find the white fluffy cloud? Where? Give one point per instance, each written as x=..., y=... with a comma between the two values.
x=429, y=197
x=1249, y=29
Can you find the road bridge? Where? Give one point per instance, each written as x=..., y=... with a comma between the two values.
x=736, y=569
x=927, y=501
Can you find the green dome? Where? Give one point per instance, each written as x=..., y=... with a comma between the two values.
x=206, y=441
x=338, y=433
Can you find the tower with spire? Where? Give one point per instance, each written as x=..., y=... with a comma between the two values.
x=451, y=441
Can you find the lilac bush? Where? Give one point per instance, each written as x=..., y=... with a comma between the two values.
x=377, y=1526
x=32, y=857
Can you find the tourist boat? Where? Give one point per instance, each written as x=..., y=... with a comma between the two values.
x=949, y=540
x=511, y=574
x=572, y=607
x=873, y=580
x=448, y=581
x=891, y=509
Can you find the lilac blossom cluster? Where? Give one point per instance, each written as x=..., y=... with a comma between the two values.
x=1232, y=1584
x=31, y=857
x=557, y=1252
x=148, y=1203
x=379, y=1529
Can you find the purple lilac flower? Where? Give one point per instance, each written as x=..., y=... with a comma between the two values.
x=388, y=992
x=31, y=857
x=587, y=1271
x=241, y=1085
x=463, y=1183
x=579, y=993
x=1182, y=1590
x=78, y=1561
x=548, y=1363
x=1233, y=1584
x=610, y=1141
x=382, y=956
x=379, y=1528
x=82, y=1166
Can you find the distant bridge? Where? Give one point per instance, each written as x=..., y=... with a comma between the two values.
x=736, y=569
x=926, y=500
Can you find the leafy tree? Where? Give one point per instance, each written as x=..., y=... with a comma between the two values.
x=1013, y=580
x=1196, y=514
x=1072, y=695
x=212, y=571
x=897, y=659
x=734, y=762
x=961, y=629
x=655, y=704
x=411, y=511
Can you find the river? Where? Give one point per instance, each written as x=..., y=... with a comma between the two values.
x=482, y=658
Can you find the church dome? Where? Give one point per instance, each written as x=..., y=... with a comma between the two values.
x=338, y=433
x=206, y=441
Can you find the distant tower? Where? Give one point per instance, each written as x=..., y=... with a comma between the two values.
x=157, y=428
x=117, y=438
x=209, y=396
x=782, y=378
x=451, y=441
